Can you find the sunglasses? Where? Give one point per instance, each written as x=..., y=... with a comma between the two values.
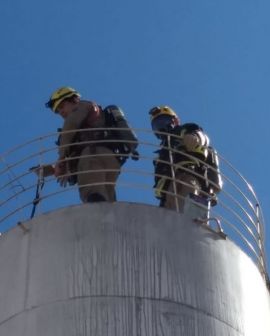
x=51, y=102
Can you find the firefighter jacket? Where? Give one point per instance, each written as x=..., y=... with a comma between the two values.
x=174, y=155
x=88, y=125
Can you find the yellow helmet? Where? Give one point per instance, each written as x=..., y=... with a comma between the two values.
x=163, y=118
x=59, y=95
x=161, y=110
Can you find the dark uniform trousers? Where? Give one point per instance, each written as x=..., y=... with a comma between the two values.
x=185, y=184
x=98, y=170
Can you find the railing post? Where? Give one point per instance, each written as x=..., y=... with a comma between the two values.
x=39, y=170
x=173, y=174
x=260, y=243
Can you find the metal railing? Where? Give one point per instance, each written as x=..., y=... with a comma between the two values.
x=25, y=189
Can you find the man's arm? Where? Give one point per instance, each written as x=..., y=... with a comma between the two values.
x=72, y=123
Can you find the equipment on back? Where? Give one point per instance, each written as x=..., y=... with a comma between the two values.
x=126, y=140
x=213, y=181
x=60, y=95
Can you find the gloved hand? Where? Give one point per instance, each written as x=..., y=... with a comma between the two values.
x=191, y=141
x=63, y=181
x=135, y=155
x=60, y=168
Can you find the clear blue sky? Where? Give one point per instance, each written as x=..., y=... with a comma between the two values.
x=208, y=59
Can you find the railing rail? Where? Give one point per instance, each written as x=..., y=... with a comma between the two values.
x=238, y=209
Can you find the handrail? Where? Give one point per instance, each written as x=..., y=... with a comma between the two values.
x=238, y=209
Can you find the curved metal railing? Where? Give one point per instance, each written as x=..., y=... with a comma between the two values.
x=26, y=189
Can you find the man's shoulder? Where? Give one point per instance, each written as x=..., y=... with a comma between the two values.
x=86, y=107
x=86, y=103
x=80, y=112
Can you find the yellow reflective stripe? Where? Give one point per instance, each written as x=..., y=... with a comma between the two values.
x=160, y=186
x=201, y=150
x=183, y=132
x=183, y=163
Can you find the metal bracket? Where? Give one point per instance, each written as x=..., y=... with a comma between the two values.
x=43, y=170
x=205, y=223
x=24, y=229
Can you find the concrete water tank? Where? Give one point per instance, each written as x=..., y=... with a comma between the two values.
x=127, y=269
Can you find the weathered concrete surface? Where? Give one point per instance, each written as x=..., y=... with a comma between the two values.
x=127, y=269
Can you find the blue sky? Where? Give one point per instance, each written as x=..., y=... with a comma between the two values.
x=208, y=59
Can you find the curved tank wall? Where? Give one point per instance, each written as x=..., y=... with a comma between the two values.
x=127, y=269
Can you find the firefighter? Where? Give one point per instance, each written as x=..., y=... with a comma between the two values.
x=97, y=163
x=179, y=169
